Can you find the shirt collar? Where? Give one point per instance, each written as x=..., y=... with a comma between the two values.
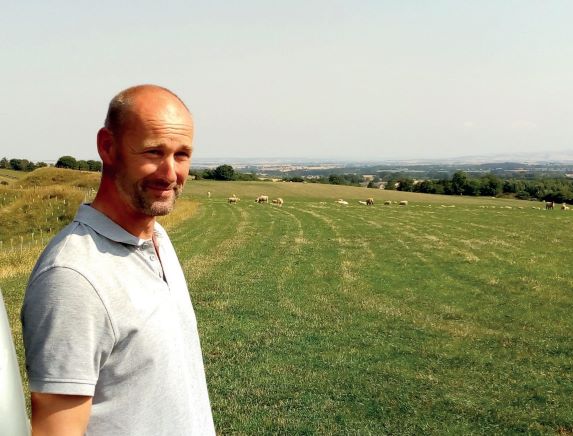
x=103, y=225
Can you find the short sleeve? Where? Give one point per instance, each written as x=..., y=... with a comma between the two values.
x=67, y=333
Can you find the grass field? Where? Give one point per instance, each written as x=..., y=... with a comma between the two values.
x=9, y=176
x=448, y=316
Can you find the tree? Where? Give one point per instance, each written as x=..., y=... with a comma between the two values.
x=195, y=174
x=67, y=162
x=336, y=179
x=224, y=172
x=29, y=166
x=459, y=182
x=94, y=165
x=426, y=186
x=472, y=187
x=16, y=164
x=4, y=163
x=83, y=165
x=208, y=173
x=406, y=184
x=491, y=185
x=297, y=179
x=245, y=177
x=391, y=185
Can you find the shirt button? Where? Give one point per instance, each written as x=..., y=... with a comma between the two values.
x=152, y=258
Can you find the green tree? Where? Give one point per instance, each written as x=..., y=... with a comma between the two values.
x=208, y=173
x=472, y=187
x=94, y=165
x=406, y=184
x=19, y=164
x=491, y=185
x=224, y=172
x=391, y=185
x=4, y=163
x=336, y=179
x=29, y=166
x=83, y=165
x=459, y=182
x=245, y=177
x=426, y=186
x=67, y=162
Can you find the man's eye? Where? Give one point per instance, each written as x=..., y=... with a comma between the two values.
x=153, y=152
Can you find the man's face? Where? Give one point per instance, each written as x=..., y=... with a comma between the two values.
x=154, y=154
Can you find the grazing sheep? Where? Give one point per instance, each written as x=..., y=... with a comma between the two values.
x=262, y=199
x=362, y=202
x=208, y=194
x=549, y=205
x=278, y=201
x=341, y=201
x=403, y=203
x=388, y=203
x=369, y=201
x=564, y=206
x=234, y=199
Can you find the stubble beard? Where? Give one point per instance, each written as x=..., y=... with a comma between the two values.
x=142, y=200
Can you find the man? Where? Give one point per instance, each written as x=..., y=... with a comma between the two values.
x=110, y=334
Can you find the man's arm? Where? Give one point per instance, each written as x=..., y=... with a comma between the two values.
x=60, y=415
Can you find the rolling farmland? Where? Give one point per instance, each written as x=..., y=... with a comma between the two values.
x=448, y=316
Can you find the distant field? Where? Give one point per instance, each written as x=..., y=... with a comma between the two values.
x=329, y=319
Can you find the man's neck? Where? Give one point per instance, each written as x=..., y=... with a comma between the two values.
x=109, y=202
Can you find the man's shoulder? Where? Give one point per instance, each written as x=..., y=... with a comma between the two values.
x=71, y=248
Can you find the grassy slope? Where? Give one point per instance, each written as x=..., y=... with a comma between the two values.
x=9, y=176
x=423, y=319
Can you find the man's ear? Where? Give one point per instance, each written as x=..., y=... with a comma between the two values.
x=106, y=146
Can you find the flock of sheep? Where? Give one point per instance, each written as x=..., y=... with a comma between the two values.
x=549, y=205
x=234, y=199
x=260, y=199
x=370, y=202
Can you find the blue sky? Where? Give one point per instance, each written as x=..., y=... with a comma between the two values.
x=318, y=79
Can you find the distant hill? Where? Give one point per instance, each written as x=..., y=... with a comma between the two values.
x=540, y=157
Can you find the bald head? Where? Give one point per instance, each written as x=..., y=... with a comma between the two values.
x=123, y=106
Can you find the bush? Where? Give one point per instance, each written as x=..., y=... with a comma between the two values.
x=67, y=162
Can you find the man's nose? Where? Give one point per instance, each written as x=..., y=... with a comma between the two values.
x=167, y=169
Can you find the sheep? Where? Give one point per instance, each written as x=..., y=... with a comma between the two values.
x=233, y=199
x=278, y=201
x=549, y=205
x=403, y=203
x=369, y=201
x=564, y=206
x=362, y=202
x=262, y=199
x=388, y=203
x=341, y=201
x=208, y=194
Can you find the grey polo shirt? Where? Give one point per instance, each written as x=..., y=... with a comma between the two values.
x=104, y=317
